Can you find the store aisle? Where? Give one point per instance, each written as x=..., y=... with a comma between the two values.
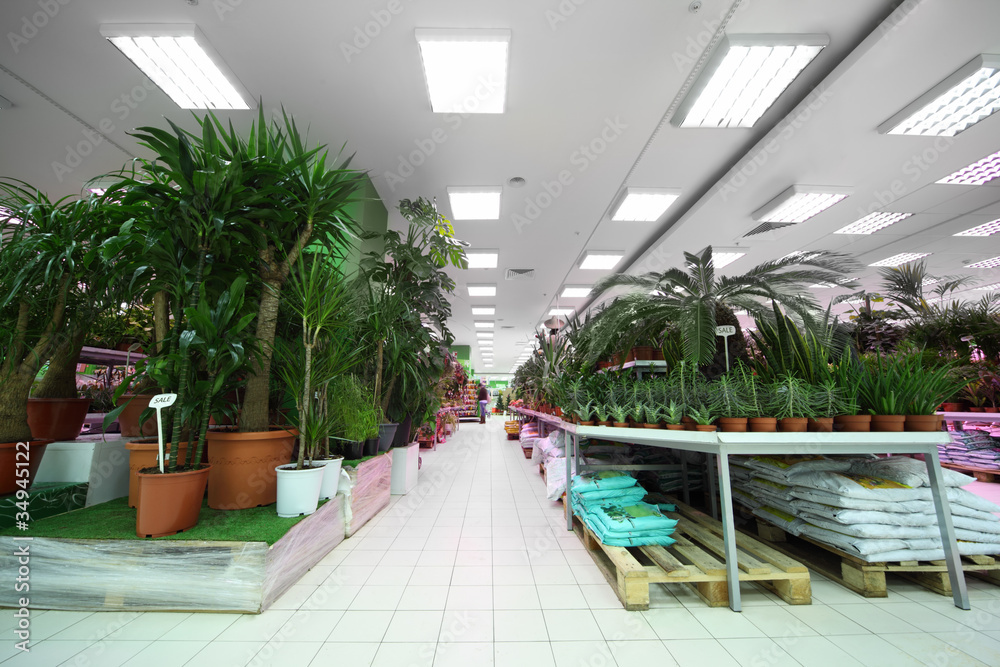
x=475, y=568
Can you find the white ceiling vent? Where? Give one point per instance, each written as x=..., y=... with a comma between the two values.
x=768, y=230
x=520, y=274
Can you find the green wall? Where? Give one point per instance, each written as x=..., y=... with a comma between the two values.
x=373, y=216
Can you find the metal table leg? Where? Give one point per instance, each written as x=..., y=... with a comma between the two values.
x=729, y=534
x=713, y=502
x=960, y=593
x=569, y=480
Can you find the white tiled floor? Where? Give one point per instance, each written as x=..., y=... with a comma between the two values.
x=475, y=567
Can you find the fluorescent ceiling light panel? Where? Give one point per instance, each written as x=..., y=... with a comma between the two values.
x=930, y=281
x=482, y=324
x=977, y=173
x=743, y=78
x=482, y=259
x=484, y=310
x=954, y=105
x=475, y=203
x=901, y=258
x=179, y=59
x=873, y=222
x=600, y=260
x=465, y=70
x=799, y=203
x=840, y=281
x=988, y=288
x=644, y=204
x=484, y=334
x=724, y=258
x=576, y=291
x=560, y=311
x=987, y=229
x=482, y=290
x=991, y=263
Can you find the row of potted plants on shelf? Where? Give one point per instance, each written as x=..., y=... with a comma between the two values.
x=882, y=394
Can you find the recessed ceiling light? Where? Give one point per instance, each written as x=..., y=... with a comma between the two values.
x=957, y=103
x=484, y=310
x=991, y=263
x=930, y=281
x=465, y=70
x=484, y=334
x=901, y=258
x=873, y=222
x=987, y=229
x=482, y=324
x=178, y=59
x=644, y=204
x=988, y=288
x=838, y=283
x=560, y=311
x=743, y=78
x=799, y=203
x=576, y=291
x=482, y=290
x=482, y=259
x=475, y=203
x=724, y=258
x=977, y=173
x=600, y=259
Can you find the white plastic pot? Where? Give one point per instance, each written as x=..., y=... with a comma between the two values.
x=331, y=478
x=298, y=490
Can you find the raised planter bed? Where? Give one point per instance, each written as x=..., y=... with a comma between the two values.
x=370, y=493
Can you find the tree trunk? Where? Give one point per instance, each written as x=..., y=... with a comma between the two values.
x=14, y=392
x=60, y=378
x=255, y=417
x=161, y=319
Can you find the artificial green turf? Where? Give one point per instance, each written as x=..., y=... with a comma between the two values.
x=115, y=520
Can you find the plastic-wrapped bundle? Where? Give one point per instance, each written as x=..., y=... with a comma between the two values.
x=602, y=480
x=907, y=471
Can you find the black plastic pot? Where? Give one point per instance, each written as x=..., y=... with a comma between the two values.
x=386, y=433
x=402, y=436
x=371, y=447
x=354, y=450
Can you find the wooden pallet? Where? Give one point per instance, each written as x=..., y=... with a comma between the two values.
x=696, y=560
x=868, y=579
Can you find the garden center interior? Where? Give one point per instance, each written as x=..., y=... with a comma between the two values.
x=552, y=144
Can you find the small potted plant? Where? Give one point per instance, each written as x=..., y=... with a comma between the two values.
x=729, y=402
x=602, y=414
x=759, y=401
x=847, y=374
x=792, y=403
x=702, y=416
x=671, y=415
x=828, y=402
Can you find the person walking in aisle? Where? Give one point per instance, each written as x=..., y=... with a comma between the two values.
x=483, y=397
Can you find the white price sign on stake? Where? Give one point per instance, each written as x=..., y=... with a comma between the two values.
x=159, y=402
x=726, y=330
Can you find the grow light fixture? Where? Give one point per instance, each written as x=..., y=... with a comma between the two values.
x=600, y=260
x=482, y=290
x=977, y=173
x=991, y=263
x=482, y=259
x=744, y=77
x=987, y=229
x=475, y=203
x=465, y=70
x=873, y=222
x=179, y=59
x=722, y=258
x=901, y=258
x=575, y=291
x=799, y=203
x=644, y=204
x=960, y=101
x=484, y=324
x=484, y=310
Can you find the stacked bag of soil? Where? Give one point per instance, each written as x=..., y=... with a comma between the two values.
x=610, y=503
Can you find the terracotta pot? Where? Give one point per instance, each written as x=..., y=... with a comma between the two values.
x=587, y=423
x=704, y=427
x=977, y=409
x=128, y=420
x=793, y=424
x=57, y=419
x=888, y=423
x=243, y=467
x=991, y=409
x=762, y=424
x=951, y=407
x=601, y=365
x=143, y=454
x=821, y=424
x=616, y=360
x=620, y=424
x=651, y=426
x=632, y=424
x=604, y=423
x=853, y=423
x=170, y=503
x=733, y=424
x=658, y=356
x=686, y=421
x=557, y=412
x=11, y=455
x=675, y=427
x=642, y=353
x=923, y=423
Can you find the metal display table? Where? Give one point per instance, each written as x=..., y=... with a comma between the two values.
x=721, y=445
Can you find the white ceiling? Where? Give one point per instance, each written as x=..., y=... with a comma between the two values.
x=608, y=67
